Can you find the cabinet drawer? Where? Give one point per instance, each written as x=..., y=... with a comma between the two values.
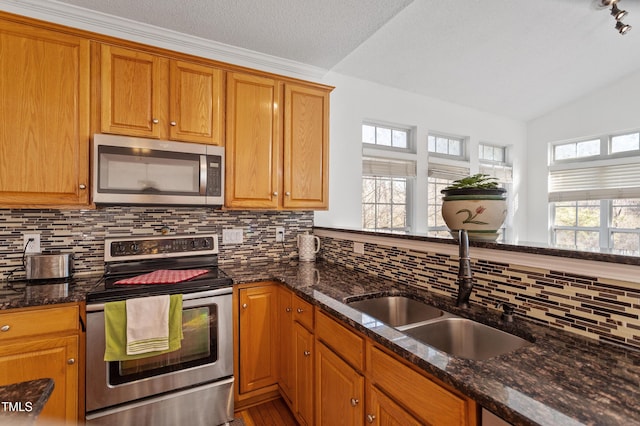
x=345, y=343
x=303, y=312
x=42, y=321
x=429, y=401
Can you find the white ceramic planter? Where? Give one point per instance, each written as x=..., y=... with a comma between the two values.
x=480, y=212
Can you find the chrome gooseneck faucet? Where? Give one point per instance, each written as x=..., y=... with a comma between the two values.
x=465, y=277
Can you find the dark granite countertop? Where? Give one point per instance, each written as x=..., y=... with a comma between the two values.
x=23, y=402
x=22, y=294
x=562, y=379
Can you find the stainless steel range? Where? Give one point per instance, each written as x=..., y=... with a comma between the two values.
x=193, y=385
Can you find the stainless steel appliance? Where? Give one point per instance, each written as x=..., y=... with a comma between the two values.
x=128, y=170
x=48, y=266
x=193, y=385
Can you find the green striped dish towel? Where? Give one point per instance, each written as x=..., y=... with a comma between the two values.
x=116, y=331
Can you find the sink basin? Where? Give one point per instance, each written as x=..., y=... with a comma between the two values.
x=466, y=338
x=396, y=310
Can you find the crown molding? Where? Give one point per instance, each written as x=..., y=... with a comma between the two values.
x=98, y=22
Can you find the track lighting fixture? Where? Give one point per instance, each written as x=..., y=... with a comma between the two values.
x=622, y=28
x=617, y=13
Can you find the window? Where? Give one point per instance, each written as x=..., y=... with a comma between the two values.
x=388, y=173
x=446, y=146
x=491, y=153
x=385, y=136
x=595, y=200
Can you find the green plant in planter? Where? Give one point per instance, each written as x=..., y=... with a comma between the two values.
x=475, y=203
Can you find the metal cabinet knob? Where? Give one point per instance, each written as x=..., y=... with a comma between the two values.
x=275, y=193
x=307, y=353
x=71, y=361
x=245, y=306
x=155, y=121
x=83, y=186
x=173, y=123
x=354, y=402
x=300, y=310
x=288, y=309
x=287, y=193
x=370, y=418
x=5, y=327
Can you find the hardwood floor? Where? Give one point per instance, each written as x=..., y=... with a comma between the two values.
x=272, y=413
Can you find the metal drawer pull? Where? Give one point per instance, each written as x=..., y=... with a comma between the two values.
x=5, y=327
x=300, y=310
x=288, y=309
x=307, y=353
x=354, y=402
x=370, y=418
x=155, y=121
x=71, y=361
x=83, y=186
x=173, y=123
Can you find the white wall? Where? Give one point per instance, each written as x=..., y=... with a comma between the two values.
x=355, y=100
x=613, y=109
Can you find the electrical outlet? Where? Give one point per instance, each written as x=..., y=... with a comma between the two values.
x=358, y=247
x=31, y=243
x=279, y=234
x=232, y=236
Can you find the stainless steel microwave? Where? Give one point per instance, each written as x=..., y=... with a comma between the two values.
x=129, y=170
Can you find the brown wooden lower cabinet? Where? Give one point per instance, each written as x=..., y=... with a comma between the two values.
x=330, y=374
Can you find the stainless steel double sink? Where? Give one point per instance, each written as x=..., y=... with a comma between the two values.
x=449, y=333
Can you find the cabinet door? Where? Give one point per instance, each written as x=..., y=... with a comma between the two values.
x=339, y=390
x=252, y=147
x=133, y=92
x=286, y=351
x=382, y=410
x=258, y=337
x=47, y=358
x=303, y=399
x=195, y=111
x=44, y=105
x=306, y=147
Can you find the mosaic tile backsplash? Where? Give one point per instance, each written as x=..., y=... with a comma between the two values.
x=603, y=309
x=83, y=231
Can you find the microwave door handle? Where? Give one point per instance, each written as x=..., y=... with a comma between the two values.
x=203, y=175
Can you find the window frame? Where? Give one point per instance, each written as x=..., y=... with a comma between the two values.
x=464, y=146
x=411, y=145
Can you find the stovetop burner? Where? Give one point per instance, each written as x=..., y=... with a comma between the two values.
x=130, y=257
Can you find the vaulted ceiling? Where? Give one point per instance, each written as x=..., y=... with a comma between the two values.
x=517, y=58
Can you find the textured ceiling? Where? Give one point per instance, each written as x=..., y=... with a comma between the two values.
x=518, y=58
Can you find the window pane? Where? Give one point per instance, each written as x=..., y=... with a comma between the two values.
x=399, y=138
x=565, y=238
x=625, y=214
x=383, y=136
x=455, y=147
x=588, y=240
x=498, y=154
x=624, y=143
x=383, y=216
x=383, y=192
x=626, y=242
x=442, y=145
x=588, y=148
x=564, y=152
x=565, y=214
x=368, y=134
x=399, y=216
x=431, y=143
x=589, y=214
x=369, y=216
x=368, y=190
x=399, y=191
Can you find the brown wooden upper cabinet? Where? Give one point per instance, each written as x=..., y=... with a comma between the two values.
x=151, y=96
x=277, y=144
x=44, y=105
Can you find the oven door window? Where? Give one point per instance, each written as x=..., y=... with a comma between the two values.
x=199, y=346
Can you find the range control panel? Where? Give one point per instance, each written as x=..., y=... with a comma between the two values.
x=157, y=247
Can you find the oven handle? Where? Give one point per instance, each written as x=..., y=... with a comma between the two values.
x=187, y=296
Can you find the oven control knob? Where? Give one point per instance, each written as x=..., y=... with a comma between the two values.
x=205, y=243
x=135, y=247
x=119, y=248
